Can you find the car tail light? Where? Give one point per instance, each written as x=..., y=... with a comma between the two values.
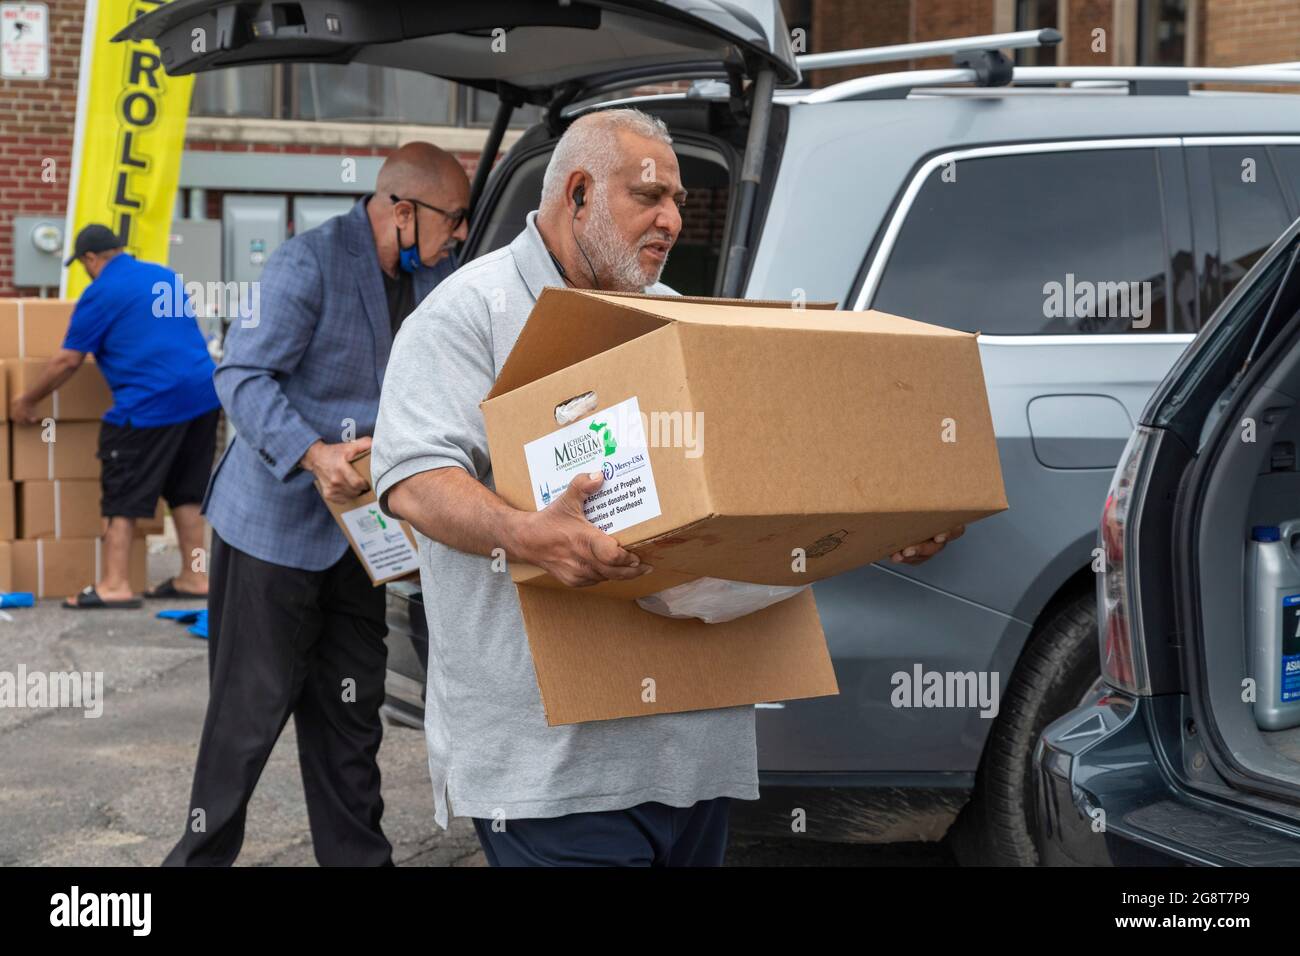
x=1123, y=655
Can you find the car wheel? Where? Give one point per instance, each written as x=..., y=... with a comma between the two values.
x=1057, y=671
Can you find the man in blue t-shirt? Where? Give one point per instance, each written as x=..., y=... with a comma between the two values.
x=159, y=438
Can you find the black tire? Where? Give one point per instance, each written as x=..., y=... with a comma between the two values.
x=1058, y=666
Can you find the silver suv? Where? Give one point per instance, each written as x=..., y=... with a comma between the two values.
x=1086, y=221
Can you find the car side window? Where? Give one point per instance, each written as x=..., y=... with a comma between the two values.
x=1034, y=243
x=1250, y=207
x=1288, y=167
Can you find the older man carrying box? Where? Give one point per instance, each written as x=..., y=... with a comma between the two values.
x=650, y=790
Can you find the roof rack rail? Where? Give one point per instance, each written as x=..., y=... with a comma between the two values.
x=899, y=52
x=1141, y=80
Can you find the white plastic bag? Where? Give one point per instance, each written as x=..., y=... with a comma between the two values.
x=714, y=600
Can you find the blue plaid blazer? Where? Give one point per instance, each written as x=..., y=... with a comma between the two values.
x=308, y=365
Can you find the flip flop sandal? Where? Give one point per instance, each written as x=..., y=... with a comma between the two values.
x=168, y=589
x=88, y=599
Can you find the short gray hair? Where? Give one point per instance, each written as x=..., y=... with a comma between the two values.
x=591, y=143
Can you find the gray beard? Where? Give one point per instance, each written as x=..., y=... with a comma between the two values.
x=614, y=262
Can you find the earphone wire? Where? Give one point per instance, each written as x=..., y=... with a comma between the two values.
x=573, y=229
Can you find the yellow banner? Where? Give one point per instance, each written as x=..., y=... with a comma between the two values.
x=130, y=133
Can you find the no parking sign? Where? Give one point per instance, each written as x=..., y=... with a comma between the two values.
x=24, y=41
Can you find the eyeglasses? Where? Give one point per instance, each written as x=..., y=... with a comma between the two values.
x=457, y=217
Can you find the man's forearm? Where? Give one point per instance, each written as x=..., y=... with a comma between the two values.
x=449, y=506
x=57, y=371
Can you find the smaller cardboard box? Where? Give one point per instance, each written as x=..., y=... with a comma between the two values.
x=71, y=453
x=83, y=397
x=385, y=547
x=6, y=472
x=8, y=512
x=6, y=566
x=33, y=328
x=61, y=567
x=59, y=509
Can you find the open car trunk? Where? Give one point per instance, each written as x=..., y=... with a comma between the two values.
x=709, y=140
x=548, y=53
x=1243, y=481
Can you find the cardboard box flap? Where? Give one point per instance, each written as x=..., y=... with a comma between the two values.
x=569, y=325
x=566, y=327
x=780, y=315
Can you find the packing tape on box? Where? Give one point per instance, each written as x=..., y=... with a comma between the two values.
x=99, y=550
x=54, y=402
x=58, y=511
x=40, y=568
x=22, y=337
x=49, y=460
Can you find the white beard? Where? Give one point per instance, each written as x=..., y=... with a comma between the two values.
x=619, y=265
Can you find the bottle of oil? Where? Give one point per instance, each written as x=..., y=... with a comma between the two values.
x=1273, y=623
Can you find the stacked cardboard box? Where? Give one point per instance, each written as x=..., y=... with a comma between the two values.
x=50, y=524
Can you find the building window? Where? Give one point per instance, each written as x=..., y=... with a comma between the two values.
x=1036, y=15
x=353, y=92
x=1162, y=32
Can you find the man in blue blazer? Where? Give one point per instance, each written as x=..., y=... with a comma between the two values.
x=296, y=628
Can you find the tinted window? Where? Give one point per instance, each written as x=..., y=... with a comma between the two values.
x=1251, y=210
x=1034, y=243
x=1288, y=163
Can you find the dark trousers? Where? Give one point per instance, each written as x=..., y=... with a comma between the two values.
x=649, y=834
x=284, y=641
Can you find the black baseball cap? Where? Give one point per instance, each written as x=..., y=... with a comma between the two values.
x=93, y=238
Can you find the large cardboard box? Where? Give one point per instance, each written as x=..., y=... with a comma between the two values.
x=70, y=509
x=59, y=509
x=747, y=441
x=6, y=566
x=33, y=328
x=83, y=397
x=734, y=434
x=8, y=512
x=385, y=547
x=70, y=455
x=60, y=568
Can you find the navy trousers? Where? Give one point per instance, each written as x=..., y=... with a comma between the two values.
x=649, y=834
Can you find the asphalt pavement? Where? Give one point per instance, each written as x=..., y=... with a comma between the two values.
x=113, y=789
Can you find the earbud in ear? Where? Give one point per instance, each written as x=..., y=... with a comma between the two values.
x=580, y=195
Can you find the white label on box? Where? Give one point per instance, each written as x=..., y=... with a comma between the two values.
x=384, y=546
x=611, y=441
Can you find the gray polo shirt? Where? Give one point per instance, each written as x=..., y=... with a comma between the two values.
x=490, y=749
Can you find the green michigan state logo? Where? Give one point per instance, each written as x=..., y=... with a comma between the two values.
x=606, y=436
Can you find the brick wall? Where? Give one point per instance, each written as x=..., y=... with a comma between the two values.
x=1084, y=16
x=36, y=123
x=1233, y=32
